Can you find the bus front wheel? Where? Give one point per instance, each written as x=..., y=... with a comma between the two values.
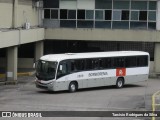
x=72, y=87
x=120, y=83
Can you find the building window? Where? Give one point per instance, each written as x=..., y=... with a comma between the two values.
x=47, y=13
x=139, y=5
x=51, y=3
x=103, y=4
x=99, y=15
x=54, y=14
x=116, y=15
x=89, y=14
x=80, y=14
x=125, y=15
x=152, y=5
x=84, y=24
x=63, y=14
x=68, y=23
x=152, y=16
x=143, y=15
x=71, y=14
x=121, y=4
x=108, y=14
x=134, y=15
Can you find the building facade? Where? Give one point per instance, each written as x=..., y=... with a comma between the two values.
x=32, y=28
x=103, y=25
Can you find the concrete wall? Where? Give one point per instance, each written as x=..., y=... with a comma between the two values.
x=25, y=13
x=22, y=62
x=102, y=34
x=157, y=57
x=16, y=37
x=6, y=7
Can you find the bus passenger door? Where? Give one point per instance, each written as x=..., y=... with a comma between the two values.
x=62, y=78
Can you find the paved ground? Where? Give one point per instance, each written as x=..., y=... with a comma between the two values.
x=26, y=97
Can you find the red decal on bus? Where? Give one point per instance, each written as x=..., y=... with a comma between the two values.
x=121, y=72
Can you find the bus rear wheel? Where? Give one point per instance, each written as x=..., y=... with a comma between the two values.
x=120, y=83
x=72, y=87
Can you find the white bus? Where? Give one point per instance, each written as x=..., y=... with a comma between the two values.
x=73, y=71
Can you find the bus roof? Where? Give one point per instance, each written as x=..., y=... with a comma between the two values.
x=60, y=57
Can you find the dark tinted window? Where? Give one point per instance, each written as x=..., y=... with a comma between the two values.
x=63, y=14
x=105, y=63
x=51, y=3
x=81, y=14
x=130, y=62
x=92, y=64
x=47, y=13
x=119, y=62
x=142, y=61
x=77, y=65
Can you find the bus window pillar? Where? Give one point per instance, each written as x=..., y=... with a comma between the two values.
x=38, y=50
x=12, y=63
x=157, y=58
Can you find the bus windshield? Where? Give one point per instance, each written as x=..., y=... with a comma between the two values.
x=45, y=70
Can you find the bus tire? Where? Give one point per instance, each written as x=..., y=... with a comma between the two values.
x=73, y=87
x=120, y=82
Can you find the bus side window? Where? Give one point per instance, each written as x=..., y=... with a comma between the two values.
x=142, y=61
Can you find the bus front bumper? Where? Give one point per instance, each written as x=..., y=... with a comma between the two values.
x=46, y=86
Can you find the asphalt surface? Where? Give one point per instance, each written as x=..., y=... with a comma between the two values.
x=26, y=97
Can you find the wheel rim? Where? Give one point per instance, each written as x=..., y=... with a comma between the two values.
x=120, y=83
x=73, y=87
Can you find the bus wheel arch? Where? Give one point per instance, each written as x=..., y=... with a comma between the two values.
x=73, y=86
x=120, y=82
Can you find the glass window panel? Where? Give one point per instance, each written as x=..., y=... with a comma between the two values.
x=134, y=15
x=51, y=3
x=63, y=14
x=152, y=16
x=120, y=4
x=120, y=25
x=108, y=14
x=71, y=14
x=143, y=15
x=103, y=24
x=103, y=4
x=68, y=23
x=54, y=14
x=99, y=15
x=125, y=15
x=138, y=25
x=116, y=15
x=47, y=13
x=81, y=14
x=152, y=25
x=152, y=5
x=85, y=24
x=139, y=5
x=89, y=14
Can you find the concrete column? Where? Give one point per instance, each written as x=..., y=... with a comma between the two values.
x=38, y=50
x=12, y=63
x=158, y=15
x=157, y=58
x=15, y=13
